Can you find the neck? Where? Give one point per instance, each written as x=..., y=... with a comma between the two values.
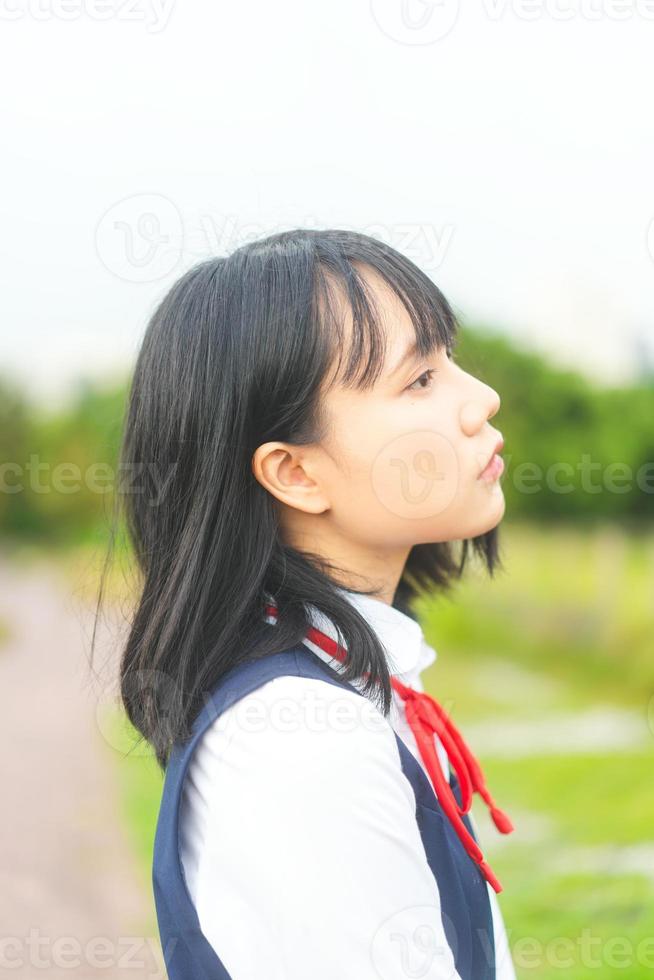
x=354, y=565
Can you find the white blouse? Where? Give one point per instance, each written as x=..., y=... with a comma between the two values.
x=301, y=850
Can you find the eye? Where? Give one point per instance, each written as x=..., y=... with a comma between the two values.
x=428, y=375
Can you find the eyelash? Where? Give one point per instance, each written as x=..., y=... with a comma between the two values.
x=430, y=372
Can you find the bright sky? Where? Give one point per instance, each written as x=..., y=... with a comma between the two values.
x=507, y=146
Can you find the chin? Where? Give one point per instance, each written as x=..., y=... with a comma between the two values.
x=488, y=517
x=496, y=510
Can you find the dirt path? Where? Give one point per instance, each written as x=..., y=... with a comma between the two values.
x=71, y=902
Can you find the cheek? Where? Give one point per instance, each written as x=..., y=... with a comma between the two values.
x=356, y=441
x=416, y=475
x=399, y=468
x=403, y=467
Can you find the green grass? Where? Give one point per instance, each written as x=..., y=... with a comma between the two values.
x=574, y=606
x=579, y=925
x=593, y=800
x=141, y=783
x=578, y=869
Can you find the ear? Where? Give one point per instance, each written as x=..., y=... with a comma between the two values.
x=289, y=473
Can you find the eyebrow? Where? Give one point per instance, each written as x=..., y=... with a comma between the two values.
x=410, y=354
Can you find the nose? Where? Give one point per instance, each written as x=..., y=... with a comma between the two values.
x=495, y=403
x=476, y=411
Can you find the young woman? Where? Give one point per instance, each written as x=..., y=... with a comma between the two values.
x=315, y=455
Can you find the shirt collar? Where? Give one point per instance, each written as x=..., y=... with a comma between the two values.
x=400, y=635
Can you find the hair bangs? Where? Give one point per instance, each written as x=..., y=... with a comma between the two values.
x=341, y=289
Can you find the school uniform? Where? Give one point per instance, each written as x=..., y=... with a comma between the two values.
x=303, y=834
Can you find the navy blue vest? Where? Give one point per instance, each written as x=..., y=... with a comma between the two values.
x=465, y=905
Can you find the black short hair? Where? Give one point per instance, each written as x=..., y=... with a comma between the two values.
x=233, y=356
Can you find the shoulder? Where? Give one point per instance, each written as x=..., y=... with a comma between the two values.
x=296, y=724
x=291, y=712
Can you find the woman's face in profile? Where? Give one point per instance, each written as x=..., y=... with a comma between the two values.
x=400, y=461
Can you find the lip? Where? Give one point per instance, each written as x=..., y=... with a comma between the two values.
x=494, y=465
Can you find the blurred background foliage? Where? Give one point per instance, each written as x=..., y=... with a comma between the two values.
x=548, y=417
